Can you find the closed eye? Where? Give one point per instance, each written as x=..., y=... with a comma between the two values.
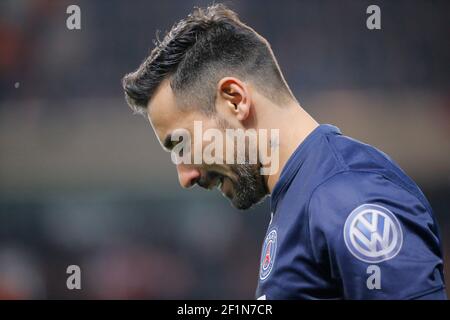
x=169, y=144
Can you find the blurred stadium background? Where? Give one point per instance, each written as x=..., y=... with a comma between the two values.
x=83, y=181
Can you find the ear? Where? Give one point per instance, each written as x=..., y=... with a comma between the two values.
x=235, y=94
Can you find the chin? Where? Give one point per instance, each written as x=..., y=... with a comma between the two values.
x=245, y=204
x=242, y=206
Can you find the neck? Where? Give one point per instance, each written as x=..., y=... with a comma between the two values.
x=294, y=125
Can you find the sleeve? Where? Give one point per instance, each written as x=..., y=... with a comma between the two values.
x=379, y=240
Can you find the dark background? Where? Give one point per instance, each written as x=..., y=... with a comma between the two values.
x=83, y=181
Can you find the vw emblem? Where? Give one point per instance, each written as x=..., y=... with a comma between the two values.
x=373, y=234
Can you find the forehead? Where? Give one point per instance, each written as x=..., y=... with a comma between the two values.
x=166, y=116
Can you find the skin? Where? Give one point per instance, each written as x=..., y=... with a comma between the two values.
x=241, y=106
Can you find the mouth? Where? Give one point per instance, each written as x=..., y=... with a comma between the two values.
x=216, y=183
x=220, y=182
x=225, y=187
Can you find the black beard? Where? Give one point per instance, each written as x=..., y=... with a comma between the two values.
x=250, y=188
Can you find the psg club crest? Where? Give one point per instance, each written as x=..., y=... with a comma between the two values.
x=373, y=234
x=268, y=254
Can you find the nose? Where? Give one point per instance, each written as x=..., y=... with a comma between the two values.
x=187, y=175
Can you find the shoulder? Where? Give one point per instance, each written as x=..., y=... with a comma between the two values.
x=347, y=188
x=334, y=200
x=365, y=201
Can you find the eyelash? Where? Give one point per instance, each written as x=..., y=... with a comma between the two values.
x=174, y=143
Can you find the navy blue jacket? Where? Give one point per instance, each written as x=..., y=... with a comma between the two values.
x=348, y=223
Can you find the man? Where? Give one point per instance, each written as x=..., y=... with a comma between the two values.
x=347, y=223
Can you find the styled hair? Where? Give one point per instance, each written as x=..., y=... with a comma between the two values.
x=197, y=52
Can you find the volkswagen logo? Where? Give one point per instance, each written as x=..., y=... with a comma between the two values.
x=372, y=233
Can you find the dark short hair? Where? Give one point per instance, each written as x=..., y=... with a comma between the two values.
x=197, y=52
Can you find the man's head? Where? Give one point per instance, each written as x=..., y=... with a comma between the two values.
x=209, y=68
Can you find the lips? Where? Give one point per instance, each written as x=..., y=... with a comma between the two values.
x=215, y=183
x=221, y=182
x=226, y=187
